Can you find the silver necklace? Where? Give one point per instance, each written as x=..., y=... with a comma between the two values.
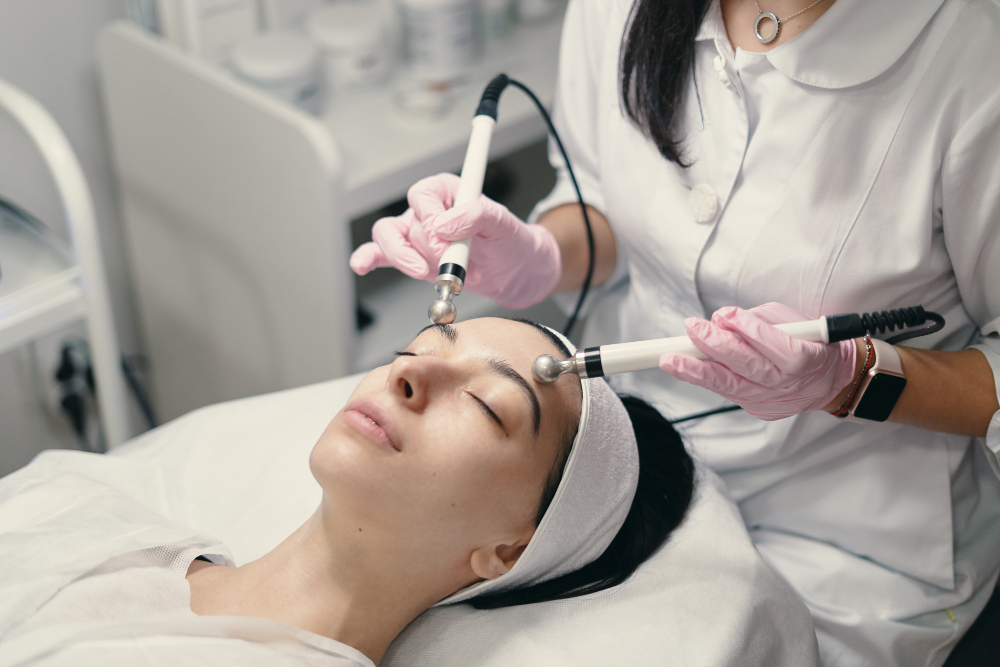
x=761, y=15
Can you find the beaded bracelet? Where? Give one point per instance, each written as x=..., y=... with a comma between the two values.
x=843, y=409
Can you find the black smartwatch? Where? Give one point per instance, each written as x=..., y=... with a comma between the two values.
x=881, y=386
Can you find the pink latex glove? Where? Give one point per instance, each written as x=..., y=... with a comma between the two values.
x=515, y=264
x=762, y=369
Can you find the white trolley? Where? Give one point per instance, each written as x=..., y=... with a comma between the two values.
x=44, y=287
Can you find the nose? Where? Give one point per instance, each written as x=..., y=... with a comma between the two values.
x=414, y=379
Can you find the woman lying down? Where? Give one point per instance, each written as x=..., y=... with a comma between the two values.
x=449, y=476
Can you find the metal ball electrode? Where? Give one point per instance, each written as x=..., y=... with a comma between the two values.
x=442, y=311
x=547, y=369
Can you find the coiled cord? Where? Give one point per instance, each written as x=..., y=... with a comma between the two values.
x=852, y=325
x=901, y=317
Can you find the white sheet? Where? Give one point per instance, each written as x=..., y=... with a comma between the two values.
x=91, y=577
x=239, y=471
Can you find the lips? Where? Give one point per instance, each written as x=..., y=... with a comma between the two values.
x=372, y=420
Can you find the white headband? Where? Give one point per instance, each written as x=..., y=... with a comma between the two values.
x=591, y=502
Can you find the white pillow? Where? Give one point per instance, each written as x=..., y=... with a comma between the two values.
x=239, y=470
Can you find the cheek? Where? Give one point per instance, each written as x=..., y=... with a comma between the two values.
x=370, y=383
x=459, y=481
x=480, y=481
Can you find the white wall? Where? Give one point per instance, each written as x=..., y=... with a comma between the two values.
x=47, y=48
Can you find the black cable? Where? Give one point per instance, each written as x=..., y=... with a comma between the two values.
x=139, y=392
x=938, y=324
x=852, y=325
x=707, y=413
x=585, y=289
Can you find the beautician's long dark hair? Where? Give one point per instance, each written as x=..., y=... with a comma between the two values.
x=662, y=497
x=657, y=58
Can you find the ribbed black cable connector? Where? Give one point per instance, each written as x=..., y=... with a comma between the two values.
x=890, y=319
x=491, y=96
x=852, y=325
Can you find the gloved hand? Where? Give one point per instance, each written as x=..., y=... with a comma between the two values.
x=761, y=368
x=515, y=264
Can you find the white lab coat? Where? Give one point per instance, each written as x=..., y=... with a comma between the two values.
x=89, y=576
x=854, y=168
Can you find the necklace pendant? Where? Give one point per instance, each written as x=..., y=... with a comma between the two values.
x=756, y=27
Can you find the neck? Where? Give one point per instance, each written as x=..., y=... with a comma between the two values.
x=341, y=581
x=739, y=17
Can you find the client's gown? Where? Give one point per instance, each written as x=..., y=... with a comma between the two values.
x=90, y=576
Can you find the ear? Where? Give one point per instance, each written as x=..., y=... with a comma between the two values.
x=491, y=561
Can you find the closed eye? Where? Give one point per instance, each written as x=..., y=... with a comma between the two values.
x=482, y=404
x=489, y=411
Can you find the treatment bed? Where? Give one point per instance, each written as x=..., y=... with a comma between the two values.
x=239, y=471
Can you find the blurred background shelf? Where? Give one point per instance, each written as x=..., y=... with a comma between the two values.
x=39, y=281
x=386, y=150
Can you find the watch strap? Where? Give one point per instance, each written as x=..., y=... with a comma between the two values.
x=886, y=358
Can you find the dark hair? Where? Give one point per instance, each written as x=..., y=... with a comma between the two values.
x=553, y=338
x=656, y=58
x=662, y=497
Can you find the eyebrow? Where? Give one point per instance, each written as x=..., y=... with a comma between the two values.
x=446, y=330
x=501, y=368
x=504, y=370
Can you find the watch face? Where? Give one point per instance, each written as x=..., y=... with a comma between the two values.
x=880, y=397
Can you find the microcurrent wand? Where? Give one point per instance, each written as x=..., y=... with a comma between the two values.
x=451, y=269
x=596, y=362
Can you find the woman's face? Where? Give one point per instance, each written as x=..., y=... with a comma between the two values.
x=450, y=446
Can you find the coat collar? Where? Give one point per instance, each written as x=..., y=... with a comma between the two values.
x=853, y=42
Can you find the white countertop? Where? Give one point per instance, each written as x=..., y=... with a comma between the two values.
x=387, y=150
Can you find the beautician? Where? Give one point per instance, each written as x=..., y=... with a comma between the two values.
x=828, y=157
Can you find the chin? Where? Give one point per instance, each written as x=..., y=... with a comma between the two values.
x=349, y=469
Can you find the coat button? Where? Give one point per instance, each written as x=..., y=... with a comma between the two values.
x=720, y=70
x=704, y=203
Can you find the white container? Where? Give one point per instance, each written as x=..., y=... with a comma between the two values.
x=285, y=64
x=354, y=39
x=421, y=99
x=209, y=28
x=286, y=14
x=536, y=11
x=440, y=39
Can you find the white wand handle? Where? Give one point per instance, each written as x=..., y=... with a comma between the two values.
x=644, y=354
x=469, y=188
